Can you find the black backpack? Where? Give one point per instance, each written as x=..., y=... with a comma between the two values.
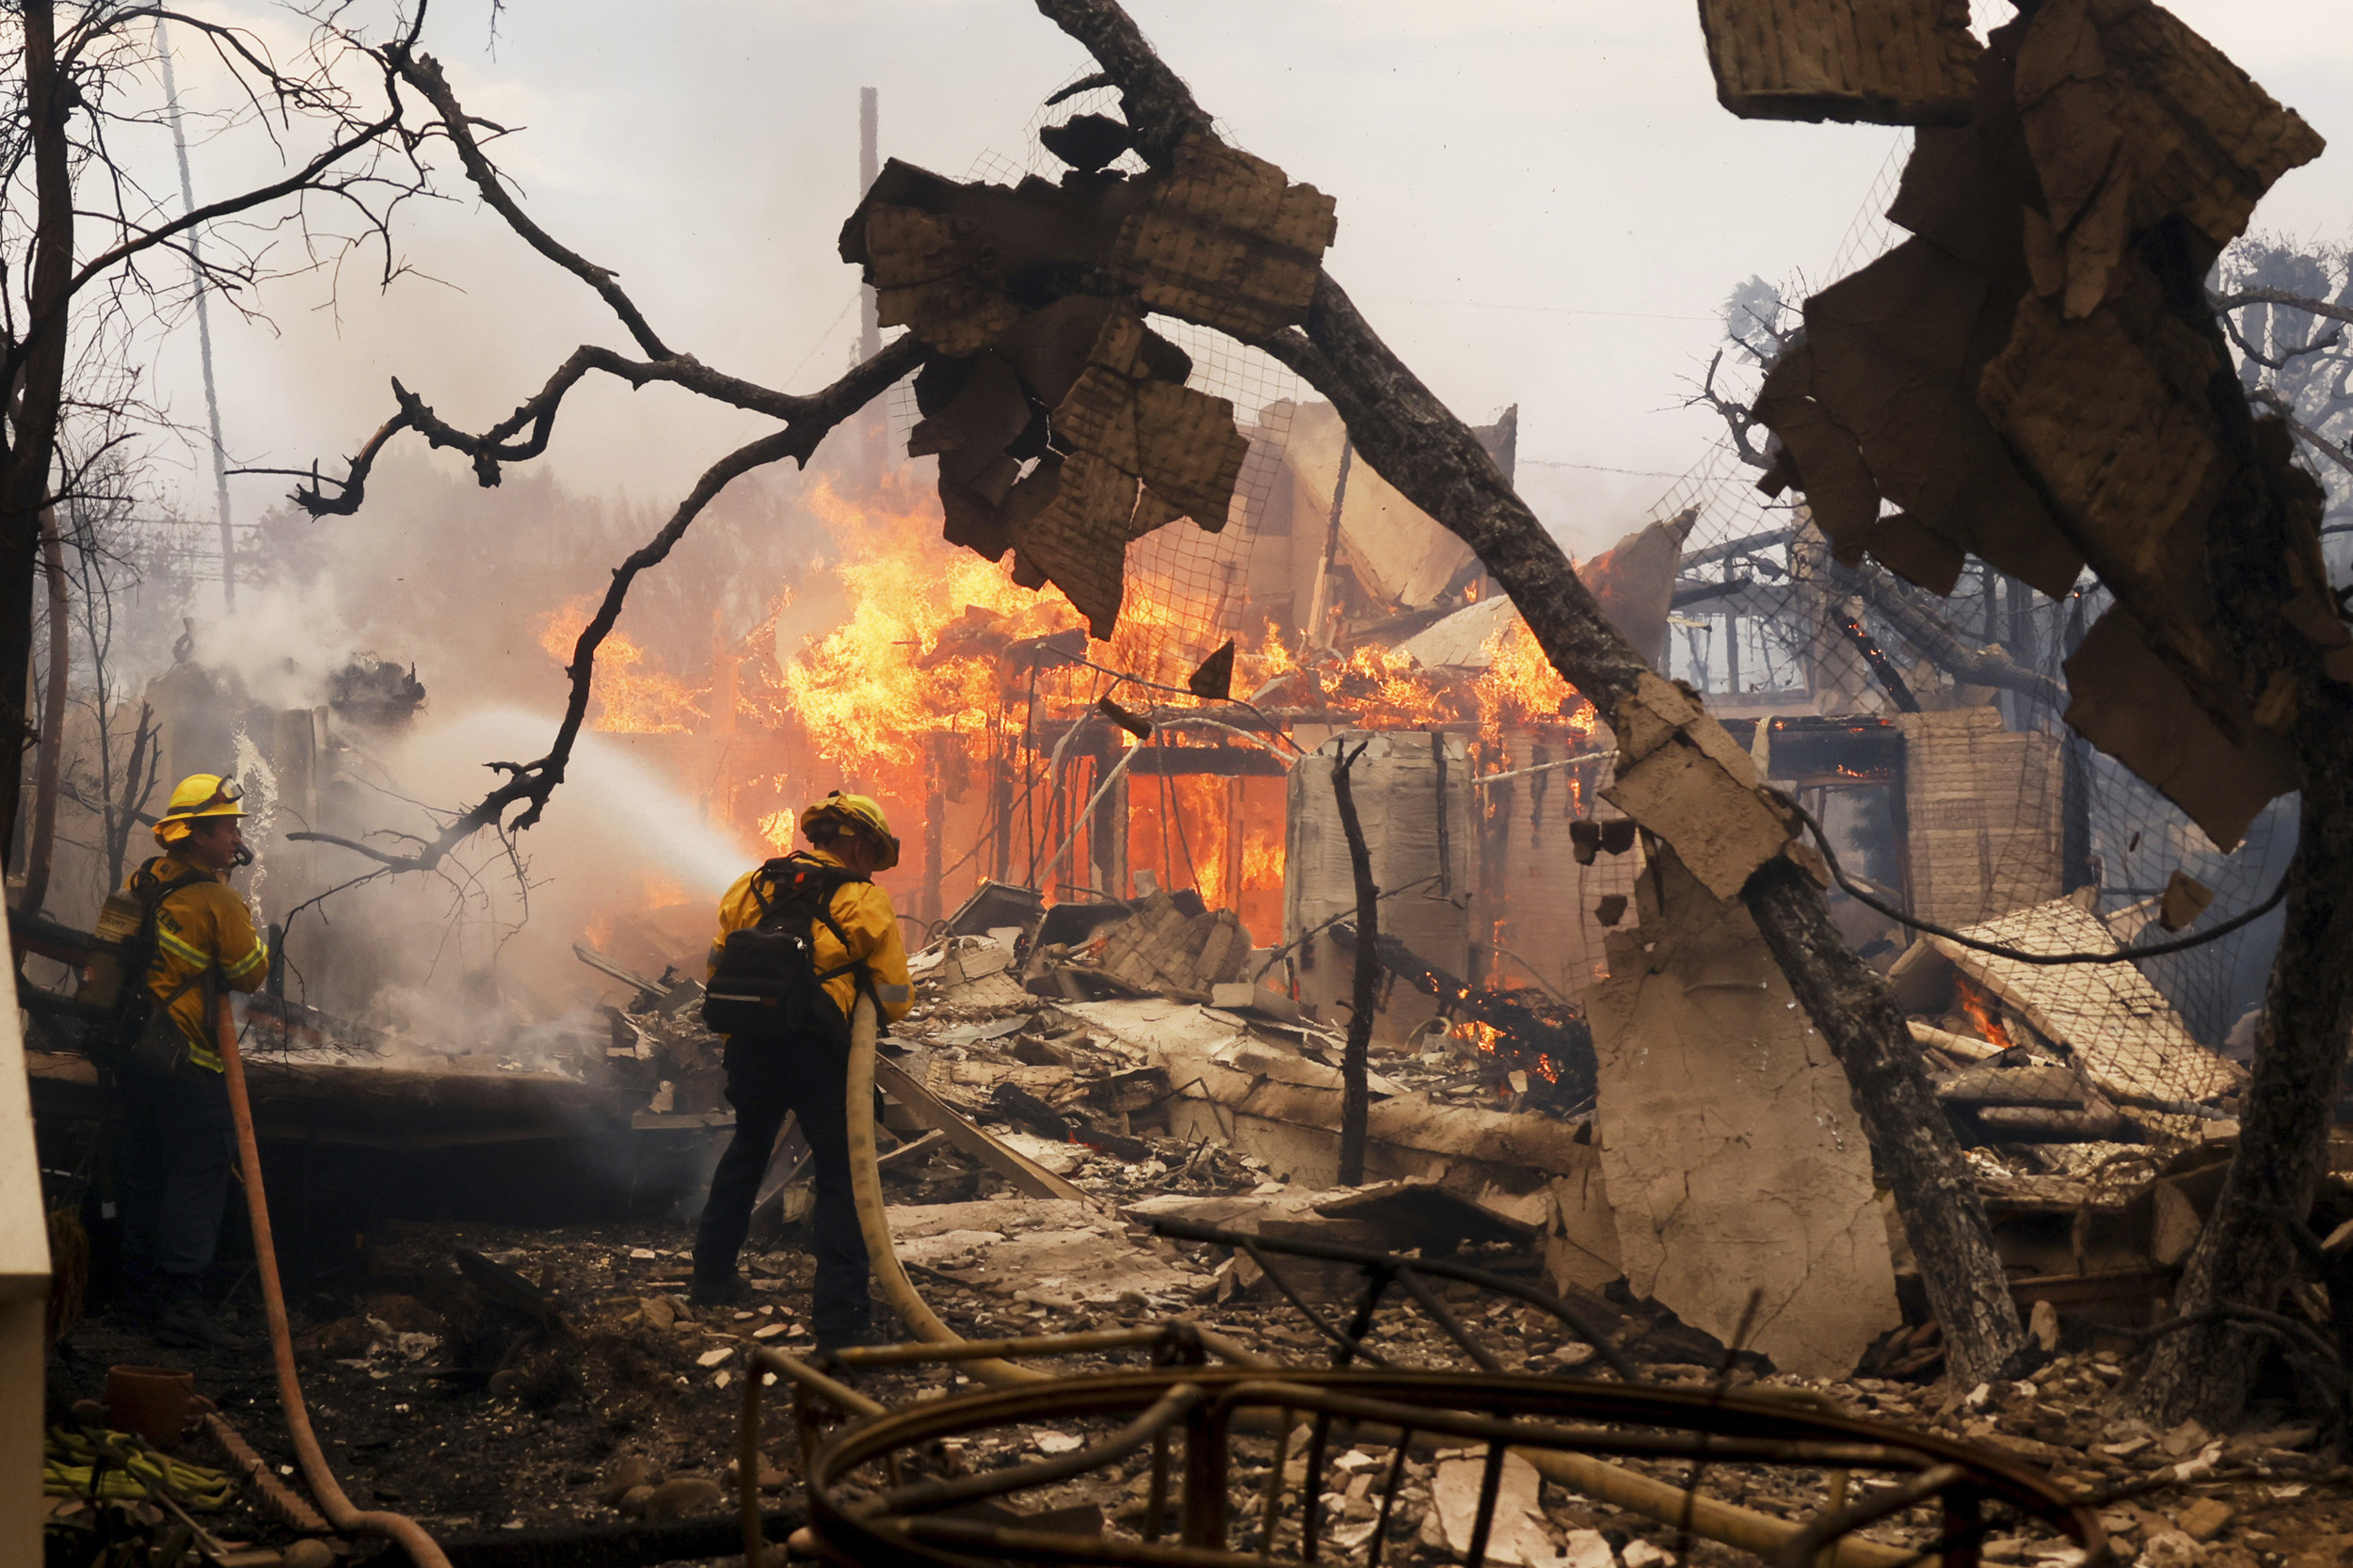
x=113, y=1000
x=767, y=984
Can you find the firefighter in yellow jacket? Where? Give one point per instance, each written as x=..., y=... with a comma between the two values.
x=177, y=1137
x=852, y=945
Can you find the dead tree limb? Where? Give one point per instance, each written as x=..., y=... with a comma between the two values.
x=2220, y=303
x=1357, y=1060
x=1945, y=646
x=42, y=843
x=1740, y=420
x=523, y=434
x=529, y=784
x=1418, y=445
x=2313, y=438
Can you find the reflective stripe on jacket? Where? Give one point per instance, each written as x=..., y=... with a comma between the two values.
x=200, y=928
x=863, y=912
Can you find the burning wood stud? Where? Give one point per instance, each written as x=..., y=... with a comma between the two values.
x=1134, y=724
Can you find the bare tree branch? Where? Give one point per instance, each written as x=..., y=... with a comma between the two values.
x=2335, y=336
x=423, y=73
x=1738, y=417
x=530, y=784
x=2222, y=302
x=2319, y=443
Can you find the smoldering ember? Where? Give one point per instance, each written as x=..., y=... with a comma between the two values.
x=1125, y=938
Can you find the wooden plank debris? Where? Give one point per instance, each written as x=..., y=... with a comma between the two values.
x=1974, y=853
x=2127, y=1038
x=1162, y=947
x=1023, y=1173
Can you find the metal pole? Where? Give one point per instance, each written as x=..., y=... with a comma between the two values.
x=874, y=426
x=868, y=169
x=203, y=329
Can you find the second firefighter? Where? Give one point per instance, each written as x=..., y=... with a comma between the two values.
x=800, y=937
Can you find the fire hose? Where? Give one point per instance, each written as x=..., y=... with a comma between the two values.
x=1597, y=1478
x=340, y=1511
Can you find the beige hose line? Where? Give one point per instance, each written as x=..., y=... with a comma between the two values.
x=1596, y=1479
x=340, y=1511
x=866, y=1182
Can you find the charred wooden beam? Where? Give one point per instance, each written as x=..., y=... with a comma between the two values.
x=1218, y=762
x=1545, y=1036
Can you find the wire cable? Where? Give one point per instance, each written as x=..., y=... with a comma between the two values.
x=2123, y=954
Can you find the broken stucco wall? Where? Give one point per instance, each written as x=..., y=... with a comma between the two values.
x=1733, y=1155
x=1983, y=838
x=1413, y=795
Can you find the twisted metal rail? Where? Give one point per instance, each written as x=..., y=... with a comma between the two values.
x=929, y=1522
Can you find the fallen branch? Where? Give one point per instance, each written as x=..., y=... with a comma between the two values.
x=1945, y=646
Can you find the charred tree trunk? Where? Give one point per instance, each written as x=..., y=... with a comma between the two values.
x=1412, y=440
x=1415, y=442
x=42, y=844
x=1356, y=1060
x=2245, y=1257
x=39, y=360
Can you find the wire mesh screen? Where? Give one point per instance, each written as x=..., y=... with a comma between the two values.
x=1925, y=735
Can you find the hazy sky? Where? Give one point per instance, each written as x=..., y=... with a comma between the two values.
x=1540, y=202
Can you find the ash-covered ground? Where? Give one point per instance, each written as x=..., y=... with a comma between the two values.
x=439, y=1393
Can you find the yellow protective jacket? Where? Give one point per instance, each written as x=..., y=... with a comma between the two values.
x=863, y=912
x=199, y=929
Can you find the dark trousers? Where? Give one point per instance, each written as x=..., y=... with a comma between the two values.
x=176, y=1154
x=765, y=1080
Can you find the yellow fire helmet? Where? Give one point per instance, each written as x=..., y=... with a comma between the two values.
x=860, y=813
x=200, y=794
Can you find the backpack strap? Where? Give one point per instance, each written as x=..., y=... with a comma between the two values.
x=153, y=896
x=833, y=878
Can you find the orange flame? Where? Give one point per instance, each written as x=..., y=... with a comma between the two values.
x=1979, y=1007
x=871, y=690
x=631, y=699
x=1520, y=689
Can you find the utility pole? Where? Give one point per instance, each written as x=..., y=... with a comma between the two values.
x=875, y=422
x=204, y=331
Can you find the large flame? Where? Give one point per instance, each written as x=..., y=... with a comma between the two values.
x=629, y=696
x=870, y=692
x=911, y=696
x=1520, y=689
